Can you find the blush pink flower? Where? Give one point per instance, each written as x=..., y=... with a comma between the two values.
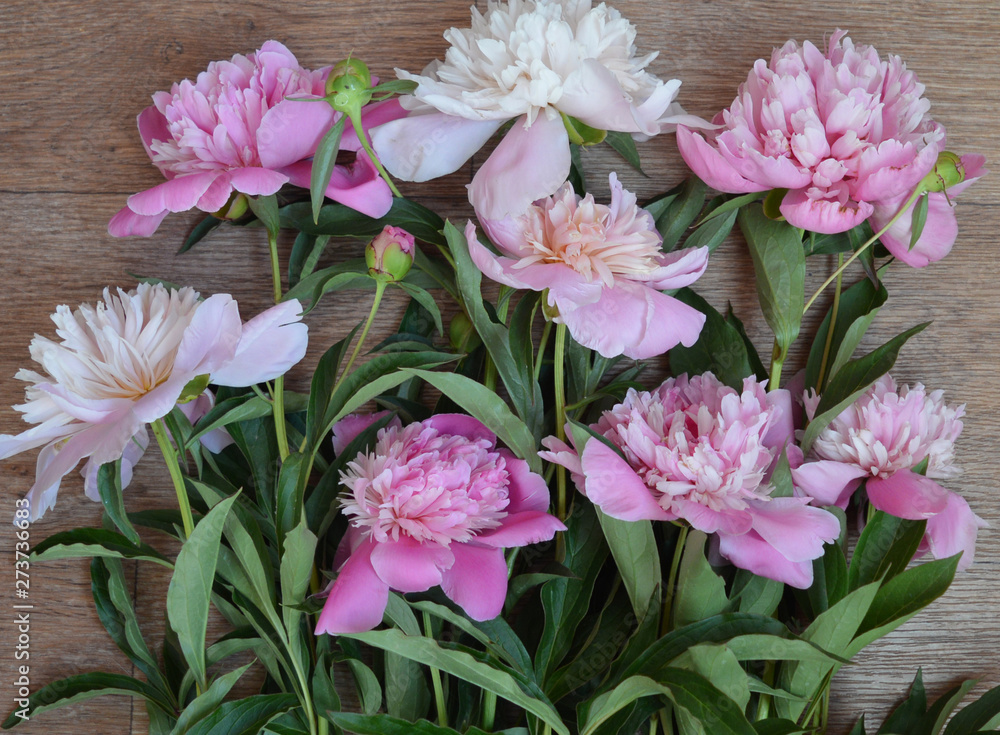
x=846, y=133
x=126, y=363
x=603, y=268
x=881, y=438
x=531, y=61
x=698, y=451
x=435, y=504
x=235, y=130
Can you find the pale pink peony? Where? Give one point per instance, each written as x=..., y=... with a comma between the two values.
x=881, y=438
x=603, y=267
x=235, y=130
x=435, y=503
x=845, y=132
x=125, y=363
x=698, y=451
x=530, y=61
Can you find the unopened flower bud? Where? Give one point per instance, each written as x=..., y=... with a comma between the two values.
x=235, y=208
x=462, y=336
x=549, y=310
x=581, y=133
x=947, y=172
x=349, y=85
x=390, y=255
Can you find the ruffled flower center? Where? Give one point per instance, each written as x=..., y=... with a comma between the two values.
x=426, y=485
x=891, y=429
x=695, y=440
x=122, y=348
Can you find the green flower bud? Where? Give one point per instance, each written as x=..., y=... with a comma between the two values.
x=947, y=172
x=549, y=311
x=462, y=335
x=390, y=255
x=348, y=88
x=235, y=208
x=772, y=204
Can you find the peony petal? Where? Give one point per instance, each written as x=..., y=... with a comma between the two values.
x=826, y=480
x=531, y=162
x=781, y=431
x=477, y=581
x=615, y=488
x=291, y=130
x=421, y=147
x=357, y=598
x=592, y=94
x=269, y=345
x=936, y=239
x=129, y=224
x=176, y=195
x=359, y=186
x=211, y=339
x=825, y=216
x=256, y=181
x=754, y=554
x=526, y=489
x=522, y=529
x=217, y=439
x=905, y=494
x=410, y=566
x=678, y=269
x=709, y=165
x=372, y=116
x=734, y=523
x=152, y=127
x=131, y=454
x=350, y=427
x=460, y=424
x=797, y=530
x=954, y=530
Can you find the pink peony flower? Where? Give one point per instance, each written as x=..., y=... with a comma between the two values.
x=603, y=267
x=846, y=133
x=126, y=363
x=698, y=451
x=531, y=61
x=435, y=503
x=886, y=433
x=234, y=130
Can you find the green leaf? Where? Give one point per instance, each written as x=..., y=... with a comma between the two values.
x=919, y=217
x=852, y=380
x=780, y=267
x=682, y=205
x=87, y=542
x=486, y=406
x=941, y=710
x=727, y=204
x=711, y=233
x=720, y=347
x=624, y=145
x=884, y=549
x=909, y=717
x=425, y=300
x=342, y=221
x=830, y=581
x=109, y=486
x=209, y=701
x=190, y=587
x=290, y=497
x=369, y=689
x=324, y=160
x=981, y=715
x=350, y=274
x=306, y=251
x=701, y=593
x=324, y=693
x=200, y=231
x=764, y=647
x=82, y=687
x=577, y=177
x=755, y=594
x=407, y=695
x=386, y=725
x=296, y=570
x=634, y=549
x=909, y=592
x=246, y=716
x=778, y=726
x=502, y=681
x=230, y=411
x=266, y=210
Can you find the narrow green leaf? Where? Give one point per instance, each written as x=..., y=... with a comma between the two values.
x=633, y=547
x=209, y=701
x=884, y=549
x=624, y=145
x=200, y=231
x=230, y=411
x=909, y=592
x=919, y=217
x=386, y=725
x=109, y=486
x=720, y=347
x=701, y=593
x=727, y=204
x=719, y=665
x=246, y=716
x=339, y=220
x=87, y=542
x=324, y=160
x=941, y=710
x=712, y=232
x=685, y=202
x=981, y=715
x=266, y=210
x=910, y=716
x=425, y=300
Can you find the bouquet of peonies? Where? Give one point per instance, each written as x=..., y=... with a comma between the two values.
x=515, y=524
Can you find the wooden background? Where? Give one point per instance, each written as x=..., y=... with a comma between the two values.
x=74, y=75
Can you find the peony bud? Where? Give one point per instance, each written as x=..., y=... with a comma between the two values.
x=581, y=133
x=235, y=208
x=462, y=336
x=390, y=255
x=947, y=172
x=349, y=85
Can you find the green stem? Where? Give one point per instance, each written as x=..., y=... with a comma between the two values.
x=668, y=593
x=489, y=710
x=379, y=290
x=542, y=344
x=777, y=360
x=356, y=122
x=857, y=253
x=280, y=430
x=833, y=324
x=442, y=711
x=174, y=467
x=560, y=397
x=764, y=708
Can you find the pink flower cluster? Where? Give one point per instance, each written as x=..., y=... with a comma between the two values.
x=847, y=135
x=697, y=451
x=434, y=504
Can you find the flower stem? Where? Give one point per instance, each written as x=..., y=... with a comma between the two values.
x=857, y=253
x=833, y=324
x=668, y=593
x=280, y=430
x=489, y=710
x=442, y=711
x=379, y=290
x=776, y=363
x=560, y=397
x=542, y=344
x=359, y=129
x=174, y=467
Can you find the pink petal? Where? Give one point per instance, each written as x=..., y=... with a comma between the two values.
x=211, y=339
x=592, y=94
x=754, y=554
x=357, y=599
x=477, y=581
x=131, y=454
x=88, y=410
x=372, y=116
x=936, y=239
x=161, y=400
x=350, y=427
x=217, y=439
x=526, y=489
x=705, y=519
x=709, y=165
x=421, y=147
x=633, y=320
x=954, y=530
x=176, y=195
x=679, y=268
x=825, y=216
x=826, y=480
x=256, y=181
x=614, y=487
x=531, y=162
x=893, y=169
x=775, y=172
x=216, y=195
x=269, y=345
x=782, y=428
x=797, y=530
x=291, y=130
x=460, y=424
x=522, y=529
x=906, y=494
x=129, y=224
x=359, y=185
x=152, y=127
x=410, y=566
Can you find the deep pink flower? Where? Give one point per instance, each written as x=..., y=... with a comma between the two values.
x=698, y=451
x=126, y=363
x=234, y=130
x=881, y=438
x=845, y=132
x=603, y=267
x=435, y=503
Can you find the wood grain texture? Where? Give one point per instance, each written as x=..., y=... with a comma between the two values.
x=74, y=75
